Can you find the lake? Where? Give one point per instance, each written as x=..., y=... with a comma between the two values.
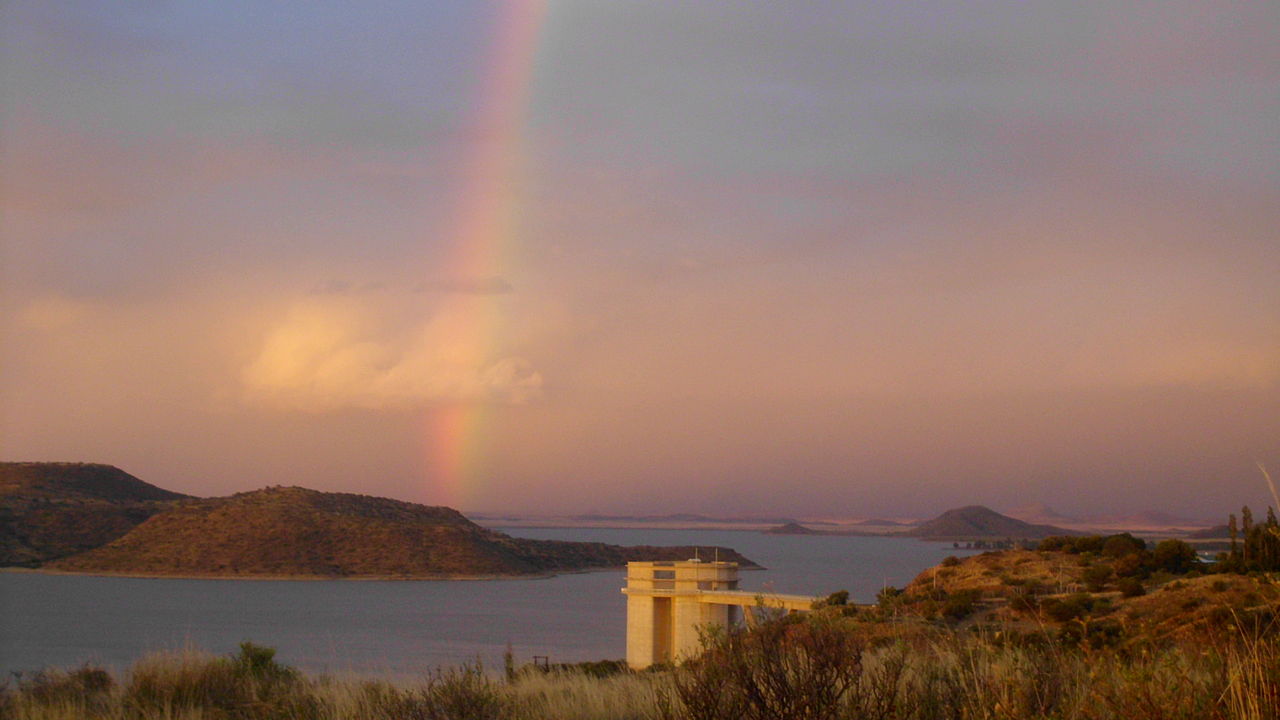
x=404, y=628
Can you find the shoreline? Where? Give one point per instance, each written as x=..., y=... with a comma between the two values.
x=306, y=578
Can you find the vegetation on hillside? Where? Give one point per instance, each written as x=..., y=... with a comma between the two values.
x=976, y=521
x=821, y=667
x=292, y=531
x=1007, y=635
x=52, y=510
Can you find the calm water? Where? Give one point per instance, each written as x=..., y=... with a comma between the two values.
x=404, y=628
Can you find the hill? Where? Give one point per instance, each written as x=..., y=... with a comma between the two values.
x=976, y=521
x=879, y=522
x=1039, y=513
x=293, y=531
x=77, y=482
x=1213, y=533
x=51, y=510
x=792, y=528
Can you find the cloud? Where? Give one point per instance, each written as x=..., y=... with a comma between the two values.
x=331, y=353
x=52, y=313
x=468, y=286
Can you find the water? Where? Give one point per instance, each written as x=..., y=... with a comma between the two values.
x=403, y=628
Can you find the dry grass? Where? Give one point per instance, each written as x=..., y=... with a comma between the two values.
x=958, y=676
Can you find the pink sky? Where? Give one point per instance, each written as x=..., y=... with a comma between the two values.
x=869, y=261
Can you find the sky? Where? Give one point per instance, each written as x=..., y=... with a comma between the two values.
x=823, y=260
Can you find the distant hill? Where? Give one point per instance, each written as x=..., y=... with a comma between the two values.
x=1039, y=513
x=1214, y=533
x=976, y=521
x=293, y=531
x=51, y=510
x=880, y=522
x=70, y=482
x=792, y=528
x=1148, y=519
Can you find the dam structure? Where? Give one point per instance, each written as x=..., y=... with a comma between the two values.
x=670, y=602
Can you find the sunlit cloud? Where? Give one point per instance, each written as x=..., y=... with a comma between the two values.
x=337, y=353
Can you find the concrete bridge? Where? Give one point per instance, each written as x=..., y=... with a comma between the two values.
x=668, y=602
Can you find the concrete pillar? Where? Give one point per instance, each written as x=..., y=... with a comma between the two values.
x=640, y=631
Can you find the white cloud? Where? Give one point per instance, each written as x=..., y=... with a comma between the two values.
x=333, y=352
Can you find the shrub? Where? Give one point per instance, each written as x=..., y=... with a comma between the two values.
x=1023, y=600
x=950, y=561
x=1175, y=556
x=1130, y=587
x=1117, y=546
x=250, y=684
x=1096, y=577
x=1132, y=565
x=1069, y=608
x=86, y=687
x=959, y=605
x=463, y=693
x=776, y=670
x=838, y=598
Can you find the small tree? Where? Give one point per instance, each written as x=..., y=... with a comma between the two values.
x=1175, y=556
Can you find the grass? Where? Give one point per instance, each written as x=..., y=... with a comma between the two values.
x=785, y=671
x=1004, y=636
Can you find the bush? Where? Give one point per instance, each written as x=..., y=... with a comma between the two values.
x=1069, y=608
x=86, y=687
x=1096, y=577
x=1130, y=587
x=1175, y=557
x=1024, y=600
x=959, y=605
x=1117, y=546
x=463, y=693
x=950, y=561
x=784, y=670
x=250, y=684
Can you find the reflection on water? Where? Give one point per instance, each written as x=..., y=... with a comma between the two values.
x=405, y=628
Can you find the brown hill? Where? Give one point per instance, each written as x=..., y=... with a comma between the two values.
x=71, y=482
x=291, y=531
x=1213, y=533
x=791, y=528
x=51, y=510
x=976, y=521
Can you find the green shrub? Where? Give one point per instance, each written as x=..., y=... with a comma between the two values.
x=248, y=685
x=793, y=671
x=463, y=693
x=1175, y=557
x=1130, y=587
x=1096, y=577
x=1069, y=608
x=959, y=605
x=1117, y=546
x=86, y=688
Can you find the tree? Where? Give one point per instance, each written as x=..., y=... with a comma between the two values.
x=1175, y=556
x=1234, y=531
x=1246, y=518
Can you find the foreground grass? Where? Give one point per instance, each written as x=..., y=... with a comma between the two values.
x=785, y=670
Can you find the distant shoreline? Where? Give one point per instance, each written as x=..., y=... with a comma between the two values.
x=309, y=578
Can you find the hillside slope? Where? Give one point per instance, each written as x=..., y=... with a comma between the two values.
x=292, y=531
x=976, y=521
x=51, y=510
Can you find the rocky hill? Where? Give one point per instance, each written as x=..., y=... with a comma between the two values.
x=51, y=510
x=293, y=531
x=976, y=521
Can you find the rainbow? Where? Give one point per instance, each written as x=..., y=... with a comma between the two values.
x=482, y=238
